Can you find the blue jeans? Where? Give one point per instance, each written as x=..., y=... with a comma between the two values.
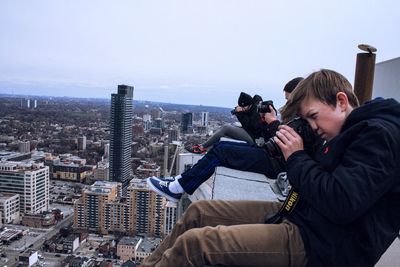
x=239, y=156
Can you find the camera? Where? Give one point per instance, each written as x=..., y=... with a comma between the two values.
x=310, y=139
x=263, y=107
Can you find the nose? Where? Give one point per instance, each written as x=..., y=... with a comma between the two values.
x=313, y=125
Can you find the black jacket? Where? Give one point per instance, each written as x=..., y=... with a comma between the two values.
x=349, y=208
x=251, y=122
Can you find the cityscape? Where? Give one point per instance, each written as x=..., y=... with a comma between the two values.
x=72, y=187
x=107, y=105
x=73, y=172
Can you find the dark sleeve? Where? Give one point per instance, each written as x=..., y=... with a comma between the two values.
x=251, y=122
x=243, y=118
x=365, y=171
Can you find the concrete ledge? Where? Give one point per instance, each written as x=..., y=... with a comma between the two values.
x=392, y=256
x=230, y=184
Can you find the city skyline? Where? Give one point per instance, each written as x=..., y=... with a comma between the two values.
x=201, y=53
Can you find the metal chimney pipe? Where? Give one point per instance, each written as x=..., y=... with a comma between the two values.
x=364, y=76
x=165, y=167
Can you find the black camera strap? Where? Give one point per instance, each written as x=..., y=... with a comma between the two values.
x=287, y=207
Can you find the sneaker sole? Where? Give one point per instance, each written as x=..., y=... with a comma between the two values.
x=158, y=191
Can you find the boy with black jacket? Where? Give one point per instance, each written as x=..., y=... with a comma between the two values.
x=349, y=208
x=348, y=212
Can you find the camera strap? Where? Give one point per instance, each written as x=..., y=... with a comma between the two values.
x=287, y=207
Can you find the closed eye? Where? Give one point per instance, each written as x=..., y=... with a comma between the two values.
x=312, y=115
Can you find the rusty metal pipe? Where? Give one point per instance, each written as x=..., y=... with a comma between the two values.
x=364, y=75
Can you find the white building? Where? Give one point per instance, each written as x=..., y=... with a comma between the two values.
x=9, y=208
x=106, y=150
x=186, y=160
x=146, y=247
x=170, y=216
x=24, y=147
x=204, y=119
x=102, y=171
x=29, y=180
x=387, y=79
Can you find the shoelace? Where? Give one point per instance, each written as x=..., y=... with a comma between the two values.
x=163, y=183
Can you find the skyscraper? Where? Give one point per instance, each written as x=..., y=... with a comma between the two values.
x=82, y=143
x=121, y=135
x=187, y=121
x=204, y=119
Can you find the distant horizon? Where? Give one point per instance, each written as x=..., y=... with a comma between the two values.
x=194, y=52
x=102, y=98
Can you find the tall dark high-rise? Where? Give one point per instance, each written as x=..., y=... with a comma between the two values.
x=187, y=122
x=121, y=135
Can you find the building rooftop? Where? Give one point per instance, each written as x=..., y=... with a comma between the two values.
x=20, y=166
x=129, y=241
x=102, y=187
x=149, y=244
x=5, y=196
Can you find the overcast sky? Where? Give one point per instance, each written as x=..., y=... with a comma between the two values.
x=202, y=52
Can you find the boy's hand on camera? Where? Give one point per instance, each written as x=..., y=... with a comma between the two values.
x=270, y=116
x=288, y=141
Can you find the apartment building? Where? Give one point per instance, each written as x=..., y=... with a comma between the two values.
x=89, y=211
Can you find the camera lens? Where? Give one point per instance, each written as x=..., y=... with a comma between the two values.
x=272, y=148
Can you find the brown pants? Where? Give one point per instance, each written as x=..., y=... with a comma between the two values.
x=230, y=233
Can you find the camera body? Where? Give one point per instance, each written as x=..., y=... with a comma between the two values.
x=263, y=107
x=301, y=126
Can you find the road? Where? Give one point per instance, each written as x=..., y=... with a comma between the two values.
x=13, y=253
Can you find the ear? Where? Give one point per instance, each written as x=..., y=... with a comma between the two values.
x=342, y=101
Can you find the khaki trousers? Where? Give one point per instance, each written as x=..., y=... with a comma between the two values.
x=230, y=233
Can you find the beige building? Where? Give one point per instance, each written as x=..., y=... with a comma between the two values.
x=9, y=208
x=116, y=216
x=89, y=211
x=102, y=171
x=127, y=247
x=146, y=209
x=148, y=169
x=102, y=210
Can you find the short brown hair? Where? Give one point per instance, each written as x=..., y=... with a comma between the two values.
x=323, y=85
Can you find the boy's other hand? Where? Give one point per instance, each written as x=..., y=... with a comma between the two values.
x=270, y=116
x=288, y=141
